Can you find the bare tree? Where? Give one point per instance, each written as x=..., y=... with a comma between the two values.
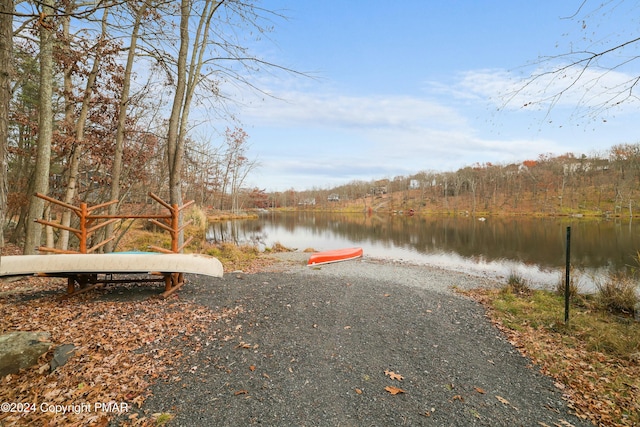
x=81, y=120
x=188, y=76
x=116, y=170
x=204, y=50
x=598, y=77
x=6, y=33
x=241, y=165
x=40, y=182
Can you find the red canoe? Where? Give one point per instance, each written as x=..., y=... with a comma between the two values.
x=334, y=256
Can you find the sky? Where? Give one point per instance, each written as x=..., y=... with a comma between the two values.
x=396, y=88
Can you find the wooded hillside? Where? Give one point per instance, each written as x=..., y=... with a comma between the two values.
x=605, y=184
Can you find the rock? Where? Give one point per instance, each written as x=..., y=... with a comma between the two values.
x=20, y=350
x=61, y=355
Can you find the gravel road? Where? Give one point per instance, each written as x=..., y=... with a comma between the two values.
x=322, y=346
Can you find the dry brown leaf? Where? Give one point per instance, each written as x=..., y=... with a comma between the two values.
x=252, y=368
x=458, y=397
x=112, y=347
x=358, y=391
x=503, y=400
x=394, y=390
x=479, y=390
x=393, y=375
x=239, y=392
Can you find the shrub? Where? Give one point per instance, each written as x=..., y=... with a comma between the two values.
x=197, y=217
x=278, y=247
x=517, y=284
x=617, y=294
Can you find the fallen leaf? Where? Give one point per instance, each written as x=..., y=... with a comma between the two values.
x=112, y=348
x=393, y=375
x=358, y=391
x=503, y=400
x=394, y=390
x=252, y=368
x=239, y=392
x=458, y=397
x=479, y=390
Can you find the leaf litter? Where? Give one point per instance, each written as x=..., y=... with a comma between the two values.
x=121, y=349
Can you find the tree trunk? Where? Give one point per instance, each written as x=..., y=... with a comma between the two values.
x=6, y=42
x=69, y=110
x=174, y=144
x=116, y=170
x=74, y=161
x=45, y=129
x=188, y=78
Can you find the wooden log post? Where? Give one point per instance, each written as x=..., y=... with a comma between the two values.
x=83, y=228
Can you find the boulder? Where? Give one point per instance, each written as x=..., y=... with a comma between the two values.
x=20, y=350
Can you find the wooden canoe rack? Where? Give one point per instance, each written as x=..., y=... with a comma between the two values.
x=90, y=222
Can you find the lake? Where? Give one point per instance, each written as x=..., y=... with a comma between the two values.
x=534, y=248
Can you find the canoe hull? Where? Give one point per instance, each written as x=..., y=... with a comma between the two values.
x=73, y=264
x=336, y=255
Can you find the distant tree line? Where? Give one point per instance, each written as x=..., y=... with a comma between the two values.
x=600, y=184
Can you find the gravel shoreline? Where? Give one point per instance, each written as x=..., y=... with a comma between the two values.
x=319, y=347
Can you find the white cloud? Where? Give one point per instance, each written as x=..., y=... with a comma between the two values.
x=338, y=110
x=591, y=89
x=314, y=138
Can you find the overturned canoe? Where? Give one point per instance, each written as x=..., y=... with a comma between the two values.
x=334, y=256
x=135, y=262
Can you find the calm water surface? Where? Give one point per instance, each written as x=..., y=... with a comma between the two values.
x=532, y=247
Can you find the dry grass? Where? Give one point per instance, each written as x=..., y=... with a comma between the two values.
x=278, y=247
x=617, y=294
x=517, y=284
x=198, y=218
x=233, y=257
x=595, y=357
x=561, y=287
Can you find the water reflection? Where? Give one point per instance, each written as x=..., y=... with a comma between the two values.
x=532, y=247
